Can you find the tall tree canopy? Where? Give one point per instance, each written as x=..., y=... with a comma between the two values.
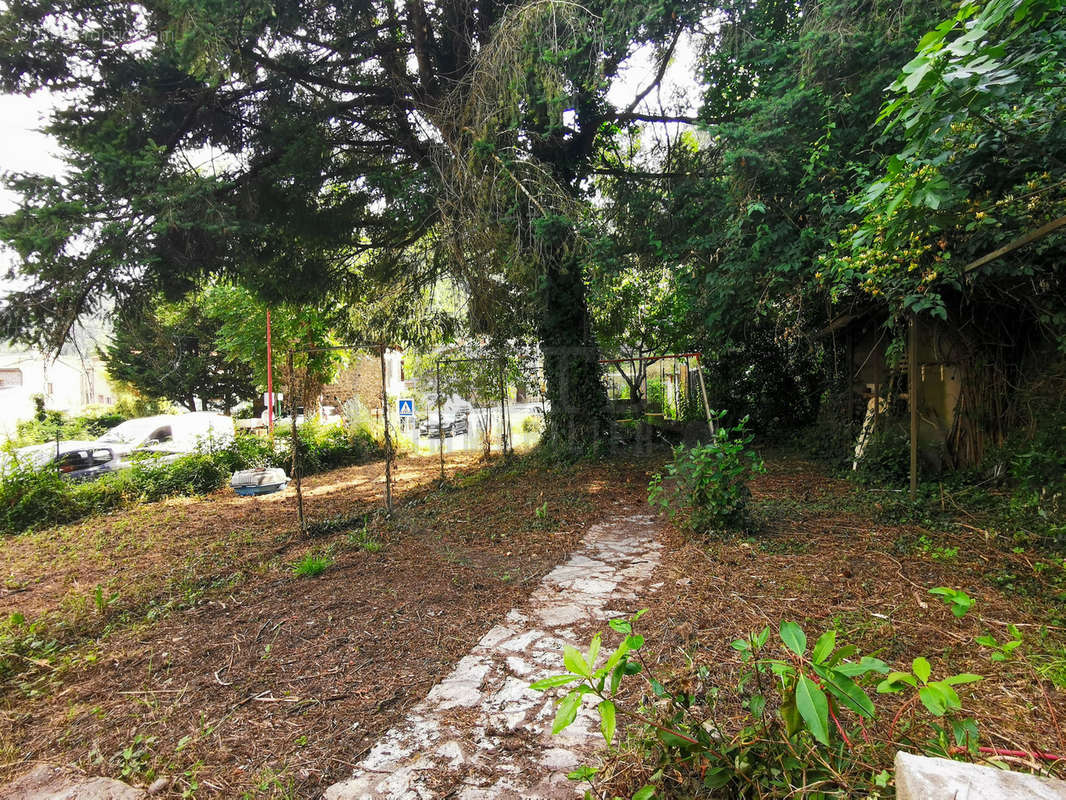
x=742, y=210
x=982, y=164
x=277, y=144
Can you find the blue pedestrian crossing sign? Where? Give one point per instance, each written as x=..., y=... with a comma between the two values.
x=405, y=407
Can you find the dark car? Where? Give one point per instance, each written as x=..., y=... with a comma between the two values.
x=453, y=422
x=76, y=460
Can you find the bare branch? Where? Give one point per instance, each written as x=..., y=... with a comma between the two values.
x=663, y=65
x=628, y=116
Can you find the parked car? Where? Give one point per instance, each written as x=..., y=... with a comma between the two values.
x=458, y=406
x=454, y=423
x=181, y=433
x=74, y=459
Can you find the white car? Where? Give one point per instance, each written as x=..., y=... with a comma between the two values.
x=179, y=433
x=454, y=423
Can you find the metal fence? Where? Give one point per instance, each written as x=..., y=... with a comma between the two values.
x=486, y=399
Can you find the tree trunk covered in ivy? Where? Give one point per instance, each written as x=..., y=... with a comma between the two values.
x=578, y=415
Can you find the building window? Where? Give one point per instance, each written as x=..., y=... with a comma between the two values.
x=10, y=378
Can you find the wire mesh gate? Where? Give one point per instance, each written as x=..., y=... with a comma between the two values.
x=450, y=402
x=466, y=400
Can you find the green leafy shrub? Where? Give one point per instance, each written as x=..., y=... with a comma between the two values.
x=705, y=487
x=329, y=447
x=34, y=497
x=1037, y=461
x=831, y=437
x=196, y=473
x=1033, y=462
x=37, y=498
x=247, y=451
x=887, y=458
x=534, y=423
x=656, y=399
x=801, y=720
x=89, y=425
x=106, y=494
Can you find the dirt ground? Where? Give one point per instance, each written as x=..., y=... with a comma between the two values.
x=205, y=659
x=819, y=555
x=217, y=666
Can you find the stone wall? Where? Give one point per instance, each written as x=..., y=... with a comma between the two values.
x=362, y=379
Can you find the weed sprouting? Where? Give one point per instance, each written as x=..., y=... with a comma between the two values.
x=103, y=601
x=542, y=518
x=272, y=783
x=364, y=540
x=311, y=565
x=133, y=760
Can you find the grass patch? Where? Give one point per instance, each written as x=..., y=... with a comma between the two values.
x=364, y=540
x=311, y=565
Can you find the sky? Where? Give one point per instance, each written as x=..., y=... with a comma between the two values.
x=22, y=148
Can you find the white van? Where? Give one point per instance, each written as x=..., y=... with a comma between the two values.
x=170, y=433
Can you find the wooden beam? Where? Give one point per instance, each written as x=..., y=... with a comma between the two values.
x=1032, y=236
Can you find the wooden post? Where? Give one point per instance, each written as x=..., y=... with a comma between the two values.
x=296, y=447
x=388, y=440
x=703, y=391
x=440, y=424
x=912, y=398
x=850, y=369
x=503, y=413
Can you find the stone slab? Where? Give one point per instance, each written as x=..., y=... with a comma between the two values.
x=924, y=778
x=47, y=782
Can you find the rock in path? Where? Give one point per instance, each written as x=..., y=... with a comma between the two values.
x=46, y=782
x=481, y=733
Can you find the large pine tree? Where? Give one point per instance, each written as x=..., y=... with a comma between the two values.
x=279, y=144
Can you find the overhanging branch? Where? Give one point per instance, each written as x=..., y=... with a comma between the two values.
x=632, y=116
x=658, y=75
x=650, y=176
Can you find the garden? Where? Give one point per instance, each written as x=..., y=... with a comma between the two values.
x=204, y=641
x=736, y=331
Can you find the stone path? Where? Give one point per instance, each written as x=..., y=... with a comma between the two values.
x=481, y=733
